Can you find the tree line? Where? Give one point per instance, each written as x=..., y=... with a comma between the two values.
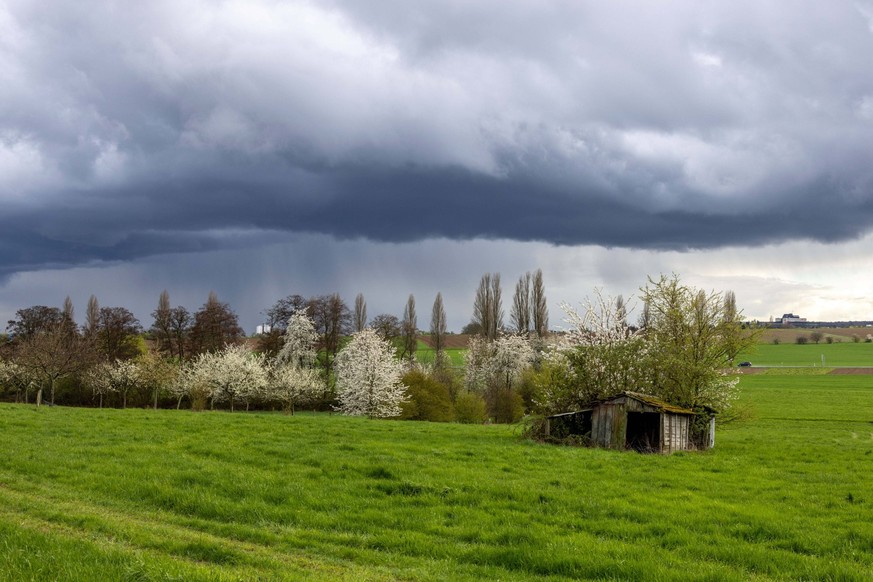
x=316, y=352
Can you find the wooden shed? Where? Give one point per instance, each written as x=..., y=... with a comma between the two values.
x=629, y=420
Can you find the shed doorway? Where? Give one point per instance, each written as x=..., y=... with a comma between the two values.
x=643, y=431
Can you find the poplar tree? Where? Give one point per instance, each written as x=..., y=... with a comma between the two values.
x=521, y=312
x=360, y=312
x=438, y=327
x=410, y=329
x=539, y=306
x=488, y=306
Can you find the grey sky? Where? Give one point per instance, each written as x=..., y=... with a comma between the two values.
x=132, y=133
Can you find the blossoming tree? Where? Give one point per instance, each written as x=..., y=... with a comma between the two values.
x=368, y=377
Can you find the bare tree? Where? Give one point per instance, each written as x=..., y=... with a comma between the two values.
x=92, y=316
x=521, y=311
x=488, y=306
x=180, y=328
x=68, y=310
x=331, y=317
x=360, y=312
x=116, y=333
x=387, y=326
x=409, y=329
x=215, y=326
x=161, y=328
x=33, y=320
x=539, y=306
x=438, y=326
x=51, y=354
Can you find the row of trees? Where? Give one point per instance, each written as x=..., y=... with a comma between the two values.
x=678, y=349
x=46, y=345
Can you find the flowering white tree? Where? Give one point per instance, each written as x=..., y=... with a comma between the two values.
x=293, y=386
x=292, y=377
x=368, y=377
x=120, y=376
x=156, y=374
x=477, y=360
x=180, y=387
x=511, y=355
x=228, y=375
x=498, y=363
x=300, y=338
x=16, y=376
x=598, y=356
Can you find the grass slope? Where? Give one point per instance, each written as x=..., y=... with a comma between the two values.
x=174, y=495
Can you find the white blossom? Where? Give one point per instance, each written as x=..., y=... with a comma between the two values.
x=228, y=375
x=368, y=377
x=294, y=386
x=298, y=349
x=497, y=363
x=120, y=376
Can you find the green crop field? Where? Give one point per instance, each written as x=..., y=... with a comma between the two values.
x=425, y=354
x=174, y=495
x=845, y=354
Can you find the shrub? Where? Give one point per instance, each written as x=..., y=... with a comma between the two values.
x=856, y=339
x=508, y=407
x=529, y=389
x=429, y=399
x=469, y=408
x=802, y=339
x=776, y=341
x=829, y=340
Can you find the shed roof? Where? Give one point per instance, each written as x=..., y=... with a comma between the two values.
x=652, y=401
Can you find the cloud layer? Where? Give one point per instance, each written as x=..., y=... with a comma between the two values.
x=188, y=126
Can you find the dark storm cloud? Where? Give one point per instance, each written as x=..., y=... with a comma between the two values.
x=179, y=127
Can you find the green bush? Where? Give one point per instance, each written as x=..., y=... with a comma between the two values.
x=428, y=399
x=469, y=408
x=529, y=389
x=507, y=407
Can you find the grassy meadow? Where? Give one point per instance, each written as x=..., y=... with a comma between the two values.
x=173, y=495
x=843, y=354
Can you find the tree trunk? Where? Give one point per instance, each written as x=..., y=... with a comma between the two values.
x=124, y=400
x=39, y=397
x=156, y=398
x=101, y=400
x=179, y=403
x=53, y=392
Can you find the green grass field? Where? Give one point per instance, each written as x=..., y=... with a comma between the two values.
x=174, y=495
x=845, y=354
x=425, y=354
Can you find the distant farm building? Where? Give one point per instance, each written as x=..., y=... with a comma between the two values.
x=789, y=318
x=634, y=421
